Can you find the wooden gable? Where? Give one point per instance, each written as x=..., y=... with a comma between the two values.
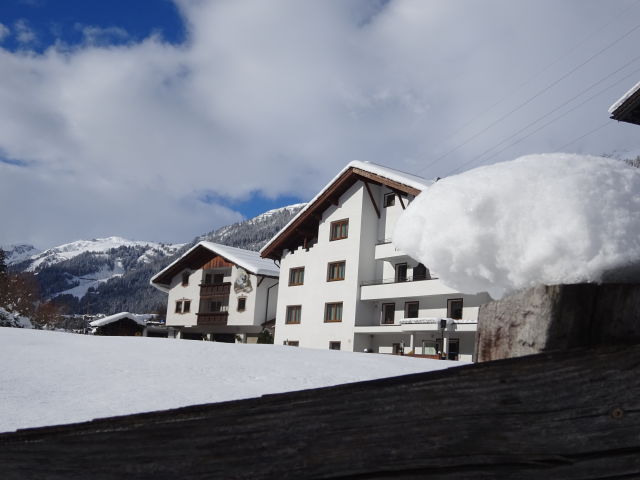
x=305, y=227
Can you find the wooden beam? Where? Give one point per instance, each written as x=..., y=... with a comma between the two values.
x=366, y=184
x=385, y=181
x=569, y=415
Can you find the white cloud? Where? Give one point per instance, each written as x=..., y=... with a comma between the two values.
x=24, y=33
x=277, y=97
x=94, y=35
x=4, y=32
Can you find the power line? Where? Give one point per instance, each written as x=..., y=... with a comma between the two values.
x=608, y=122
x=530, y=99
x=600, y=92
x=586, y=38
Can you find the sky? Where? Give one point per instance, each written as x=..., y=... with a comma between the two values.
x=159, y=120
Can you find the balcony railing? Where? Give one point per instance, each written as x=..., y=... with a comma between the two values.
x=213, y=318
x=408, y=278
x=215, y=289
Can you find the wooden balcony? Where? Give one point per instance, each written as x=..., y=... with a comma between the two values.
x=213, y=318
x=215, y=289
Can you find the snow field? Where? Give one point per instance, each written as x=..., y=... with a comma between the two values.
x=51, y=378
x=539, y=219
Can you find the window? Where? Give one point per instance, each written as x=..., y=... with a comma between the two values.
x=333, y=312
x=388, y=313
x=215, y=306
x=218, y=278
x=207, y=279
x=401, y=272
x=296, y=276
x=339, y=229
x=242, y=304
x=294, y=314
x=335, y=271
x=411, y=309
x=186, y=306
x=389, y=200
x=453, y=348
x=178, y=306
x=454, y=308
x=420, y=272
x=185, y=279
x=334, y=345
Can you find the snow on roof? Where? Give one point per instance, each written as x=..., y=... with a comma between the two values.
x=624, y=98
x=247, y=259
x=140, y=319
x=408, y=179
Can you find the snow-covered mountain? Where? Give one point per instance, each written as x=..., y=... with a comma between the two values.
x=18, y=253
x=74, y=268
x=39, y=260
x=109, y=275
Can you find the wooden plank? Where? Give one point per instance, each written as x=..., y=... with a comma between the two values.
x=373, y=201
x=385, y=181
x=569, y=415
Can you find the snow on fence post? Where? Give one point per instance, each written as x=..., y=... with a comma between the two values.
x=558, y=317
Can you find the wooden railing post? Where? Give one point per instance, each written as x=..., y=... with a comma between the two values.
x=558, y=317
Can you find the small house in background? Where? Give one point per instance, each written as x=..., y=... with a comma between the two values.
x=123, y=324
x=627, y=109
x=219, y=293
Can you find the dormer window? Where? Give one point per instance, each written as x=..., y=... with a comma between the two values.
x=339, y=229
x=185, y=279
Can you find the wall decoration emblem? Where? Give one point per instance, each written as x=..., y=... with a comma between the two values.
x=243, y=282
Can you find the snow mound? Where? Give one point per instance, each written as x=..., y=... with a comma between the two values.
x=51, y=378
x=539, y=219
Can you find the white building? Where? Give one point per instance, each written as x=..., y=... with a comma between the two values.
x=344, y=286
x=222, y=293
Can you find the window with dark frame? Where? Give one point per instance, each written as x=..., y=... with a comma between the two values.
x=294, y=314
x=454, y=308
x=186, y=306
x=215, y=306
x=388, y=313
x=335, y=271
x=178, y=306
x=218, y=278
x=411, y=309
x=339, y=229
x=185, y=279
x=401, y=272
x=242, y=304
x=333, y=312
x=208, y=279
x=389, y=200
x=296, y=276
x=334, y=345
x=420, y=272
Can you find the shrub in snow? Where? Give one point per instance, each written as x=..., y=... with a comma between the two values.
x=550, y=219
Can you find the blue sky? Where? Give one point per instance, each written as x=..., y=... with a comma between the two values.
x=62, y=20
x=161, y=120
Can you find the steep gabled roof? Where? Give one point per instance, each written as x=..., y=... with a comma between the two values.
x=627, y=108
x=305, y=223
x=197, y=255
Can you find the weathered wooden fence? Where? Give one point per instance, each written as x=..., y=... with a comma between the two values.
x=565, y=415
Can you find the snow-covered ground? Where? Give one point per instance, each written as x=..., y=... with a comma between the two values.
x=50, y=378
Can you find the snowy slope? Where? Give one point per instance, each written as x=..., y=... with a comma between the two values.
x=47, y=380
x=19, y=253
x=97, y=245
